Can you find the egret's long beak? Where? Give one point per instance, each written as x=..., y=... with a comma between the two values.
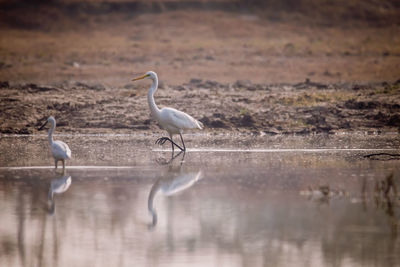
x=41, y=127
x=139, y=78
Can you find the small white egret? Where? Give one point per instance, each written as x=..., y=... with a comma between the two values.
x=59, y=149
x=170, y=119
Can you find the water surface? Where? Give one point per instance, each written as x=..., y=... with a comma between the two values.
x=121, y=203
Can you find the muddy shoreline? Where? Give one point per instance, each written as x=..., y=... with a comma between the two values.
x=302, y=108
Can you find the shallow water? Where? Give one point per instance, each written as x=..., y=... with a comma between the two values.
x=124, y=202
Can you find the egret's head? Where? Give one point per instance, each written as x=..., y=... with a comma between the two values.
x=50, y=119
x=150, y=74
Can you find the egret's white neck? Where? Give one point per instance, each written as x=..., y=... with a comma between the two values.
x=53, y=126
x=155, y=111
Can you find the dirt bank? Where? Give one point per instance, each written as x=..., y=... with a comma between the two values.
x=301, y=108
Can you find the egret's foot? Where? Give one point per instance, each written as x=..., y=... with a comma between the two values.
x=162, y=140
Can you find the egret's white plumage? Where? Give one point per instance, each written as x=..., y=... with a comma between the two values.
x=59, y=150
x=175, y=121
x=170, y=119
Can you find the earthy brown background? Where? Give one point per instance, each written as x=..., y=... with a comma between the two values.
x=261, y=66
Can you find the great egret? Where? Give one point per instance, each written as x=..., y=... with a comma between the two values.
x=170, y=119
x=59, y=149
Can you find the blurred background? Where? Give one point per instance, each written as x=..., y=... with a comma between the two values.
x=270, y=67
x=224, y=40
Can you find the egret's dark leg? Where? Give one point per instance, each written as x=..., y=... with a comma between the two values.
x=56, y=163
x=63, y=161
x=162, y=140
x=172, y=144
x=183, y=143
x=183, y=157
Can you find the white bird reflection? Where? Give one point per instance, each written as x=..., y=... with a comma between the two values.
x=58, y=185
x=174, y=183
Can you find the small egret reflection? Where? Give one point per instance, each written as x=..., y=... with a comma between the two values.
x=58, y=185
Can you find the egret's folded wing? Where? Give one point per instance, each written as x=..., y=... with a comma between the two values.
x=183, y=120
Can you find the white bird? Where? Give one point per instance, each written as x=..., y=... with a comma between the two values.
x=59, y=149
x=170, y=119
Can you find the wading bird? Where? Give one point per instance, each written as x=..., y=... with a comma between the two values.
x=59, y=149
x=170, y=119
